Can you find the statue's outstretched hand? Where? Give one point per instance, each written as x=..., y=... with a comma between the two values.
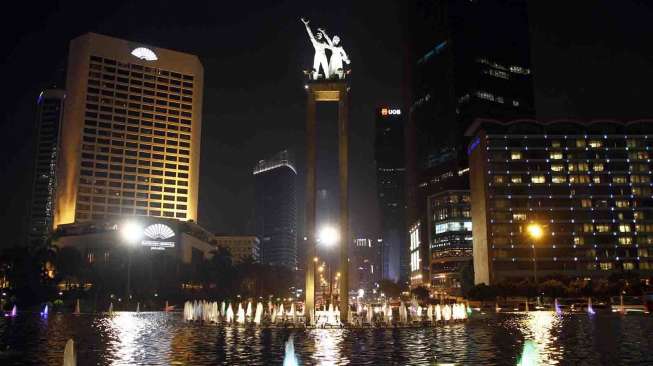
x=304, y=21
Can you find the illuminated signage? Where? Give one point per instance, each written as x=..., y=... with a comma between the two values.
x=144, y=54
x=390, y=111
x=158, y=237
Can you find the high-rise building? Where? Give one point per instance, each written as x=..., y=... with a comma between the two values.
x=586, y=185
x=276, y=210
x=240, y=246
x=50, y=107
x=390, y=161
x=450, y=231
x=364, y=261
x=464, y=60
x=130, y=140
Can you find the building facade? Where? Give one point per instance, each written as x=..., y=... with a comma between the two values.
x=390, y=177
x=130, y=140
x=586, y=184
x=276, y=210
x=364, y=264
x=450, y=240
x=49, y=113
x=240, y=247
x=464, y=60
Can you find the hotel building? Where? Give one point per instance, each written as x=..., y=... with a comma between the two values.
x=130, y=140
x=587, y=184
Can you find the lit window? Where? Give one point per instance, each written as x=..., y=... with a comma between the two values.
x=625, y=240
x=559, y=179
x=557, y=167
x=622, y=203
x=515, y=179
x=515, y=155
x=556, y=155
x=519, y=216
x=538, y=179
x=624, y=228
x=619, y=179
x=606, y=266
x=580, y=143
x=498, y=179
x=579, y=240
x=555, y=143
x=602, y=228
x=586, y=203
x=596, y=143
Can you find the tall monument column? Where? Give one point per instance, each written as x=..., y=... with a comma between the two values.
x=327, y=91
x=345, y=240
x=327, y=84
x=310, y=211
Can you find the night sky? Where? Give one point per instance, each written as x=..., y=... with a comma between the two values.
x=591, y=59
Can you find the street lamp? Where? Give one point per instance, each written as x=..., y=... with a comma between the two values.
x=131, y=233
x=328, y=236
x=536, y=232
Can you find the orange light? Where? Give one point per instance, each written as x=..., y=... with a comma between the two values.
x=384, y=111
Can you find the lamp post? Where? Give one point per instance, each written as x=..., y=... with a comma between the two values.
x=131, y=233
x=328, y=237
x=535, y=231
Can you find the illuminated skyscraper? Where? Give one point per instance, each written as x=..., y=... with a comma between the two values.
x=276, y=210
x=130, y=142
x=48, y=123
x=390, y=162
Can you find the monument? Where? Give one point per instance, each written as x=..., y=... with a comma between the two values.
x=327, y=83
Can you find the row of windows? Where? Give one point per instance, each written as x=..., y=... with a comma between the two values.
x=99, y=215
x=129, y=177
x=113, y=141
x=570, y=142
x=142, y=88
x=559, y=155
x=136, y=121
x=88, y=154
x=109, y=71
x=146, y=69
x=142, y=131
x=134, y=97
x=146, y=103
x=136, y=107
x=569, y=178
x=85, y=206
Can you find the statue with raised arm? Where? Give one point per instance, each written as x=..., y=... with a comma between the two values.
x=338, y=55
x=320, y=59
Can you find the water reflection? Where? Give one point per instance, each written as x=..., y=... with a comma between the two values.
x=165, y=339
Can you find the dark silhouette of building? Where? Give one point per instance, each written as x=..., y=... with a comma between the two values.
x=48, y=123
x=390, y=161
x=276, y=210
x=464, y=60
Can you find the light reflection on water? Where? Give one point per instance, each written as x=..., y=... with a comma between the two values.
x=164, y=339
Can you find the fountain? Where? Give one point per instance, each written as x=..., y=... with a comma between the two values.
x=248, y=313
x=446, y=313
x=403, y=314
x=13, y=312
x=44, y=313
x=291, y=315
x=223, y=309
x=77, y=312
x=429, y=313
x=290, y=359
x=273, y=315
x=526, y=306
x=230, y=314
x=369, y=314
x=240, y=316
x=590, y=309
x=497, y=309
x=530, y=354
x=557, y=306
x=69, y=355
x=438, y=313
x=258, y=314
x=138, y=307
x=110, y=312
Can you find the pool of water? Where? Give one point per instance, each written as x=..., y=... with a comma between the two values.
x=164, y=339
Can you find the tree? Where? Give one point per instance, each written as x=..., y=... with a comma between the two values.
x=390, y=288
x=553, y=288
x=421, y=293
x=482, y=292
